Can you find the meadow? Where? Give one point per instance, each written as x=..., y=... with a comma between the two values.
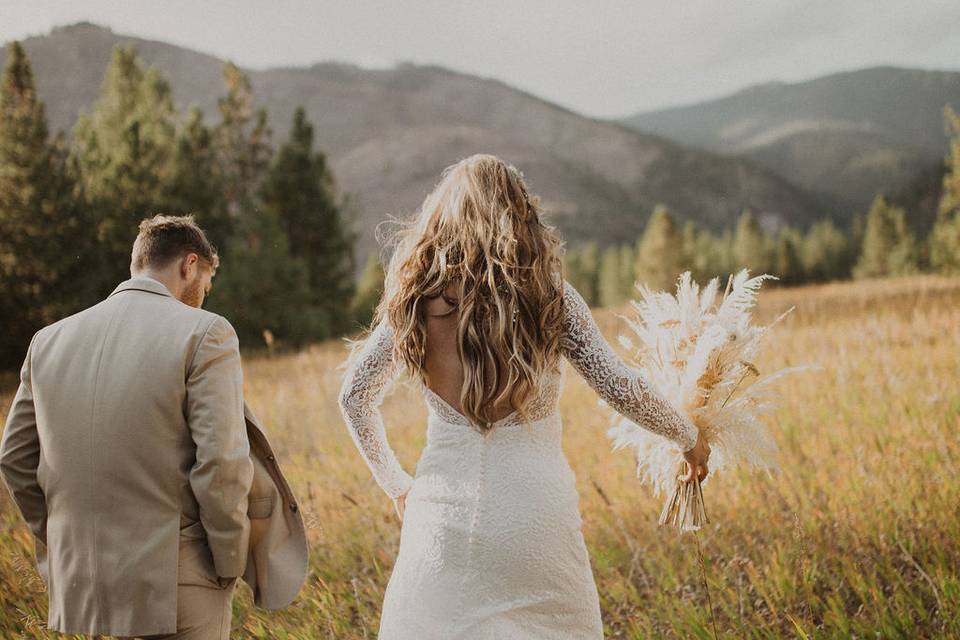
x=856, y=537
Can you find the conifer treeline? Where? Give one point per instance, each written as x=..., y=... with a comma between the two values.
x=69, y=210
x=878, y=244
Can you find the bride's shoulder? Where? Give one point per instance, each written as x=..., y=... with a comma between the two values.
x=572, y=298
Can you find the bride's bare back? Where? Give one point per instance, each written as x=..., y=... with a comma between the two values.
x=443, y=369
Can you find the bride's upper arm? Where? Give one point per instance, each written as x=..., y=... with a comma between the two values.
x=577, y=320
x=368, y=368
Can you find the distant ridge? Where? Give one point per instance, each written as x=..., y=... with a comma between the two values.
x=844, y=136
x=390, y=132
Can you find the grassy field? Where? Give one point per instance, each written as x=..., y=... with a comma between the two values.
x=859, y=537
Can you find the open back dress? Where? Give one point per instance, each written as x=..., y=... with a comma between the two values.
x=491, y=545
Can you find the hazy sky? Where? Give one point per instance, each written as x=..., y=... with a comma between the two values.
x=602, y=58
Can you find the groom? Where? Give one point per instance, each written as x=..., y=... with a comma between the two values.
x=146, y=481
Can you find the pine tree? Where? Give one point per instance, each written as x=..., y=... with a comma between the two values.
x=888, y=244
x=194, y=183
x=750, y=246
x=43, y=241
x=610, y=278
x=123, y=150
x=590, y=264
x=694, y=259
x=628, y=274
x=704, y=253
x=856, y=231
x=950, y=196
x=825, y=252
x=299, y=191
x=369, y=291
x=582, y=267
x=573, y=268
x=260, y=285
x=242, y=143
x=905, y=257
x=615, y=276
x=660, y=252
x=788, y=265
x=945, y=235
x=725, y=261
x=945, y=244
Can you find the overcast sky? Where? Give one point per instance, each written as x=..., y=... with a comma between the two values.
x=601, y=58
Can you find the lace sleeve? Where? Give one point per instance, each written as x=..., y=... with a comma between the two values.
x=368, y=373
x=621, y=386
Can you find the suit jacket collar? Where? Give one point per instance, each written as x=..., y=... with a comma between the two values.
x=143, y=283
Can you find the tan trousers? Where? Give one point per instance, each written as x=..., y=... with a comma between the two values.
x=203, y=600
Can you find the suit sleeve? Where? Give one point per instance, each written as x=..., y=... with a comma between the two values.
x=223, y=472
x=20, y=456
x=621, y=386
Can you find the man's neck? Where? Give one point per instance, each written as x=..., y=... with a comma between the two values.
x=162, y=278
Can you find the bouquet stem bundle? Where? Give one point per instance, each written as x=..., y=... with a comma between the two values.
x=685, y=508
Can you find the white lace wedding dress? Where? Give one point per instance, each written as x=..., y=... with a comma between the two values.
x=491, y=544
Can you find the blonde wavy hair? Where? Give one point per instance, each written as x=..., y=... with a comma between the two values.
x=481, y=228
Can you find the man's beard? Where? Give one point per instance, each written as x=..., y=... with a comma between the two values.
x=193, y=293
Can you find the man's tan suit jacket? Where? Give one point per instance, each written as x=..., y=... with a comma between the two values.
x=129, y=425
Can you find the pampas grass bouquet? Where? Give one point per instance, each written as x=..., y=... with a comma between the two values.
x=698, y=350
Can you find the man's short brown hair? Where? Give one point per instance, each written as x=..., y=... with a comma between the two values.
x=163, y=239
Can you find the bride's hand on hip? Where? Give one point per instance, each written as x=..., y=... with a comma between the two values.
x=399, y=503
x=696, y=460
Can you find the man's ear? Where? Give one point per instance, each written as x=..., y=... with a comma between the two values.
x=189, y=265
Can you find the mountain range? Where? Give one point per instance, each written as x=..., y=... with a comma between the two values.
x=844, y=137
x=791, y=153
x=389, y=133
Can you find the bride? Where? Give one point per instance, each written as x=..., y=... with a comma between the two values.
x=477, y=309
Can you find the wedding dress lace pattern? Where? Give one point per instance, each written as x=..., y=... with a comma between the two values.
x=491, y=544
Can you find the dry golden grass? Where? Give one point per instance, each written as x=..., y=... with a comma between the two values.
x=857, y=538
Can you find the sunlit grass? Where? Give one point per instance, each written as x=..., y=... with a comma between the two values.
x=856, y=538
